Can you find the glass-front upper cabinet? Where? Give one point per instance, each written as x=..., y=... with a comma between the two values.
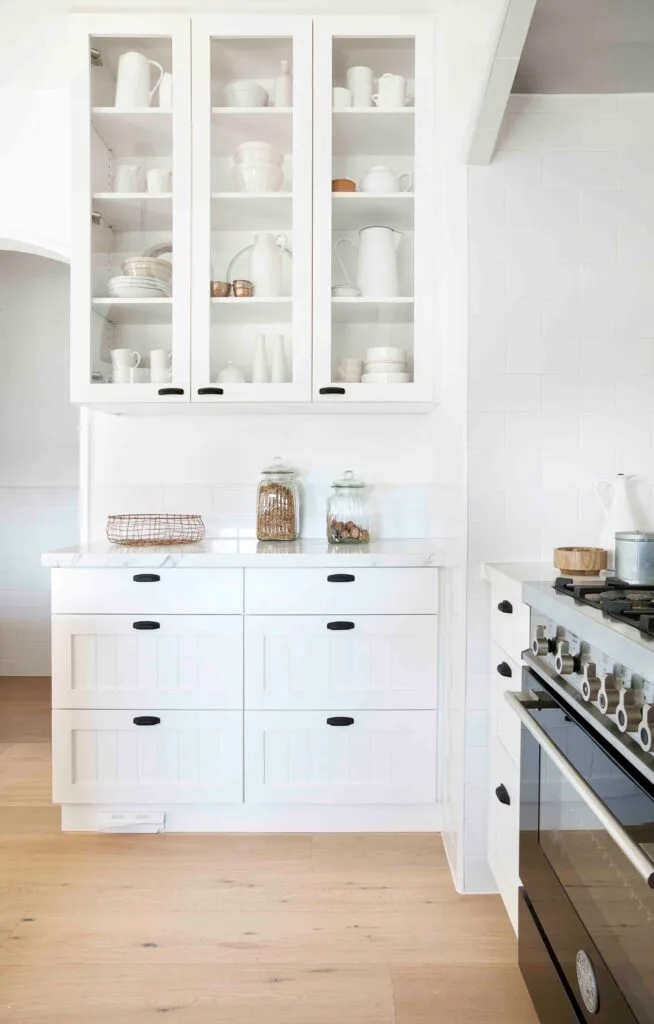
x=251, y=280
x=130, y=253
x=374, y=333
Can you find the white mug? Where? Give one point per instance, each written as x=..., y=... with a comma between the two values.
x=159, y=180
x=128, y=178
x=160, y=358
x=392, y=91
x=125, y=357
x=166, y=91
x=341, y=98
x=124, y=374
x=359, y=82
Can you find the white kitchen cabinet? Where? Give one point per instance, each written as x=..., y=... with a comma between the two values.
x=504, y=828
x=173, y=661
x=504, y=724
x=362, y=757
x=393, y=591
x=368, y=661
x=108, y=226
x=147, y=591
x=146, y=756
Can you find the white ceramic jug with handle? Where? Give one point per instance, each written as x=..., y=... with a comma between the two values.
x=133, y=80
x=620, y=513
x=379, y=180
x=377, y=275
x=266, y=258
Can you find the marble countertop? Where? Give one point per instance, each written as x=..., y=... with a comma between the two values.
x=518, y=572
x=242, y=553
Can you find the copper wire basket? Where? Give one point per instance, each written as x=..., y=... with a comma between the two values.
x=150, y=530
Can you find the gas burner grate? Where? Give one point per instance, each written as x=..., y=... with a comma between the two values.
x=617, y=600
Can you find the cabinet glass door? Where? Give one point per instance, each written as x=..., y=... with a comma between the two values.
x=251, y=209
x=374, y=274
x=131, y=235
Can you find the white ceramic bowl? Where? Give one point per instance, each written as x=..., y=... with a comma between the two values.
x=385, y=354
x=258, y=177
x=246, y=94
x=350, y=378
x=147, y=266
x=385, y=378
x=345, y=291
x=381, y=367
x=260, y=152
x=351, y=364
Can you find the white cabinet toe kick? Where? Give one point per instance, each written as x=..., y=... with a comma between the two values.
x=268, y=700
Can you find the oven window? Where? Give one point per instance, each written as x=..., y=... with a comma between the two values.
x=613, y=901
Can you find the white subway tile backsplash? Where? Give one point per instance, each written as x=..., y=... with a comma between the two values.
x=580, y=170
x=504, y=392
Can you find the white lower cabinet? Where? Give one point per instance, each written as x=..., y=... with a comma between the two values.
x=141, y=756
x=504, y=827
x=362, y=757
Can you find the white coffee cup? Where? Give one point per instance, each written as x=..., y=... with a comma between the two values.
x=392, y=91
x=125, y=357
x=124, y=374
x=359, y=82
x=159, y=180
x=166, y=91
x=341, y=98
x=128, y=178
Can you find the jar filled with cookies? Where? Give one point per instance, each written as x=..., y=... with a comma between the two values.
x=348, y=511
x=278, y=503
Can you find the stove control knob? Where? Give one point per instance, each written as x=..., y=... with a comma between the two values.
x=541, y=645
x=566, y=663
x=590, y=686
x=646, y=727
x=608, y=697
x=628, y=712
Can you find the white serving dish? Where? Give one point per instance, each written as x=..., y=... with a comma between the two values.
x=258, y=152
x=258, y=177
x=385, y=378
x=246, y=94
x=385, y=353
x=147, y=266
x=385, y=367
x=137, y=288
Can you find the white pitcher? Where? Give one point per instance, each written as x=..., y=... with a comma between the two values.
x=266, y=258
x=133, y=80
x=620, y=513
x=377, y=274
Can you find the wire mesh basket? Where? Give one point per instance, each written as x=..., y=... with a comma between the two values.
x=142, y=530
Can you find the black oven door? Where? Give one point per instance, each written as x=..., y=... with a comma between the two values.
x=586, y=849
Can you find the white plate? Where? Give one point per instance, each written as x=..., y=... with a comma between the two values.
x=385, y=354
x=382, y=367
x=385, y=378
x=120, y=292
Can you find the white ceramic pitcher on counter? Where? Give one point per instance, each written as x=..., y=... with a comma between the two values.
x=133, y=80
x=620, y=512
x=377, y=274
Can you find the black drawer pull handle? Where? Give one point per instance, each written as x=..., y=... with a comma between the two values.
x=146, y=625
x=171, y=391
x=504, y=670
x=340, y=720
x=146, y=720
x=502, y=794
x=340, y=577
x=211, y=391
x=146, y=577
x=331, y=391
x=340, y=625
x=506, y=607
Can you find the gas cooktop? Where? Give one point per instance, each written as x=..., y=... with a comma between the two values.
x=632, y=605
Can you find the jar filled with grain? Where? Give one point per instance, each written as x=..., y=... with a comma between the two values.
x=348, y=511
x=278, y=503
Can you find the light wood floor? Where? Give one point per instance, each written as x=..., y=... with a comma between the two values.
x=296, y=929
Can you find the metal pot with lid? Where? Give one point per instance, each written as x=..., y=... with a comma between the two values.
x=634, y=557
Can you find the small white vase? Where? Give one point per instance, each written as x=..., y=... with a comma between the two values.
x=260, y=363
x=283, y=87
x=620, y=513
x=279, y=373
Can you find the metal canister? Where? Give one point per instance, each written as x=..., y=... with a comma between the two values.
x=634, y=557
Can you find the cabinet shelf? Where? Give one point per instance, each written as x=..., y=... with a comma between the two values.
x=354, y=210
x=364, y=310
x=147, y=131
x=135, y=211
x=251, y=211
x=368, y=131
x=252, y=310
x=134, y=311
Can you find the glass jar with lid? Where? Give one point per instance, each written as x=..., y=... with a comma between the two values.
x=348, y=511
x=278, y=503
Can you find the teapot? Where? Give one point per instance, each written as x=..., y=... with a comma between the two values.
x=133, y=80
x=377, y=275
x=379, y=180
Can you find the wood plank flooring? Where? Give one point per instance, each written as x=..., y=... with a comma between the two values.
x=285, y=929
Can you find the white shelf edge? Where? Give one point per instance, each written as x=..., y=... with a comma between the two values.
x=373, y=195
x=160, y=111
x=266, y=111
x=253, y=299
x=109, y=301
x=251, y=195
x=132, y=195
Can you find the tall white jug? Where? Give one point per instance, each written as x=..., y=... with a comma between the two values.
x=133, y=80
x=620, y=513
x=377, y=274
x=266, y=258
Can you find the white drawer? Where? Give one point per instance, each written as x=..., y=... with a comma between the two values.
x=298, y=757
x=341, y=591
x=186, y=757
x=504, y=828
x=369, y=661
x=509, y=624
x=148, y=591
x=504, y=723
x=171, y=661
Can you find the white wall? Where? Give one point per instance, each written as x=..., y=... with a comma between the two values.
x=38, y=453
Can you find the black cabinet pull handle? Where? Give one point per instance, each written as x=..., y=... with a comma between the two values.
x=504, y=670
x=340, y=577
x=340, y=625
x=211, y=391
x=146, y=625
x=171, y=391
x=340, y=720
x=146, y=577
x=331, y=391
x=506, y=607
x=146, y=720
x=502, y=794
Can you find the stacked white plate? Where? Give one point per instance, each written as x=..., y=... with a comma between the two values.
x=129, y=287
x=385, y=365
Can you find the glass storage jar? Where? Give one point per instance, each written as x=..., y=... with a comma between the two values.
x=278, y=503
x=348, y=512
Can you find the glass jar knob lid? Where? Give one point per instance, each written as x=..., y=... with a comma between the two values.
x=348, y=480
x=277, y=467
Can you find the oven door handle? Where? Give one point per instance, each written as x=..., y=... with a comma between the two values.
x=519, y=702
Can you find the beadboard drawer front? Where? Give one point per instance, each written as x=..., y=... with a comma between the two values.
x=297, y=757
x=148, y=591
x=504, y=828
x=187, y=757
x=509, y=623
x=171, y=661
x=311, y=661
x=341, y=591
x=504, y=723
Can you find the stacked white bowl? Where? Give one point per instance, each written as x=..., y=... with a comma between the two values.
x=385, y=365
x=143, y=277
x=350, y=370
x=258, y=167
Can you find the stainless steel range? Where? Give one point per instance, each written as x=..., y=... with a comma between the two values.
x=587, y=804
